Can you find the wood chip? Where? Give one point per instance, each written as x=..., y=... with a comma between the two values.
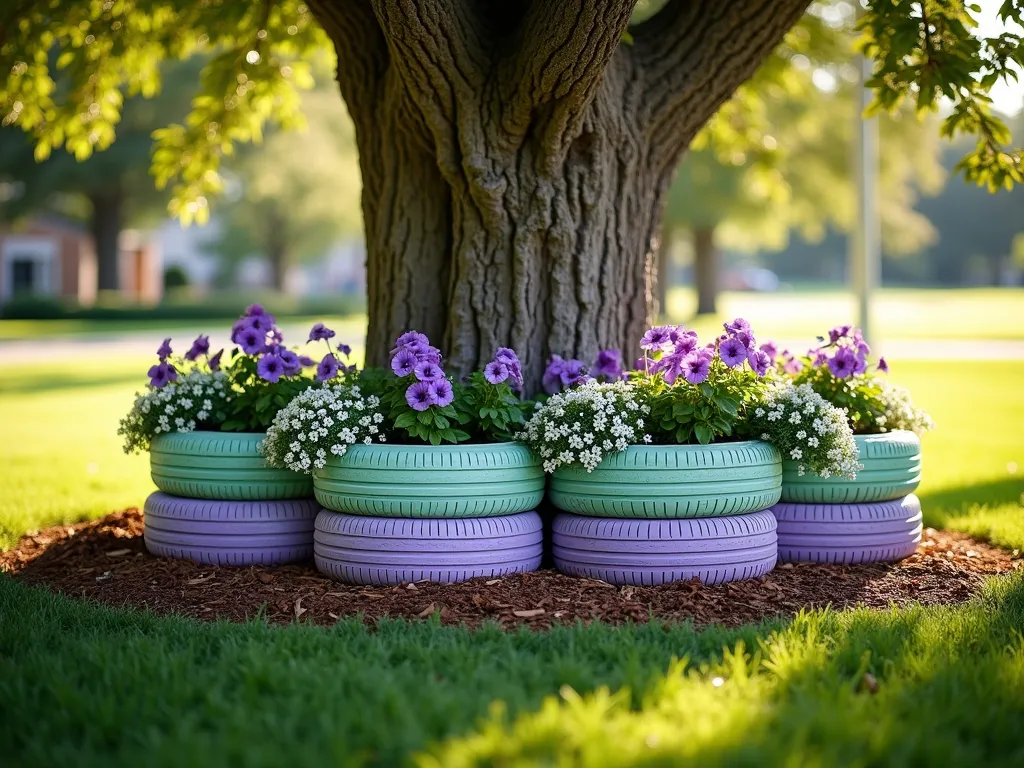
x=118, y=552
x=529, y=614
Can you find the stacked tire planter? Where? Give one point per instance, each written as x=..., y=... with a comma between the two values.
x=874, y=518
x=219, y=503
x=403, y=513
x=656, y=514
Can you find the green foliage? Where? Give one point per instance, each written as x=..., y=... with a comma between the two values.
x=493, y=411
x=106, y=49
x=931, y=54
x=255, y=401
x=702, y=413
x=175, y=278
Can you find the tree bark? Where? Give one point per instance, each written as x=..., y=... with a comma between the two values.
x=515, y=158
x=705, y=270
x=105, y=225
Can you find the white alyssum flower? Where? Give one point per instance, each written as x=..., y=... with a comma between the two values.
x=194, y=400
x=826, y=449
x=320, y=422
x=585, y=424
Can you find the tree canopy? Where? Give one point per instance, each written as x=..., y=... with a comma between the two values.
x=70, y=64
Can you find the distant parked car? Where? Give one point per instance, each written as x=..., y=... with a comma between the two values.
x=750, y=279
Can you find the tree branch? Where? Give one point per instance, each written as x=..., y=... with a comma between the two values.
x=695, y=54
x=561, y=51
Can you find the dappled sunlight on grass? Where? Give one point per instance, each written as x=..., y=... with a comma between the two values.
x=930, y=686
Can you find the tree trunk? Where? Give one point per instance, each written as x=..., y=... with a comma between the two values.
x=515, y=158
x=705, y=270
x=663, y=276
x=105, y=224
x=277, y=251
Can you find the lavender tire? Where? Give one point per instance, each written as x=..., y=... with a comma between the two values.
x=883, y=531
x=230, y=532
x=383, y=550
x=644, y=552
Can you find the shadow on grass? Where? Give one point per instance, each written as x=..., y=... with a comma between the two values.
x=937, y=686
x=957, y=502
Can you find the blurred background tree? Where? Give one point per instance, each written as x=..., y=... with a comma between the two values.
x=295, y=194
x=109, y=190
x=777, y=160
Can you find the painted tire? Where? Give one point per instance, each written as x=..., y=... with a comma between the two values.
x=443, y=481
x=892, y=470
x=641, y=552
x=221, y=465
x=230, y=532
x=375, y=550
x=672, y=481
x=881, y=531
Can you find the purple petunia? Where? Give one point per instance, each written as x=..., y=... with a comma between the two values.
x=164, y=351
x=671, y=367
x=843, y=363
x=290, y=360
x=793, y=366
x=214, y=362
x=443, y=392
x=327, y=368
x=759, y=361
x=771, y=349
x=261, y=323
x=200, y=346
x=305, y=361
x=739, y=325
x=696, y=366
x=320, y=332
x=421, y=395
x=656, y=338
x=839, y=332
x=270, y=367
x=685, y=343
x=251, y=341
x=510, y=360
x=427, y=371
x=608, y=364
x=552, y=379
x=496, y=372
x=818, y=358
x=345, y=349
x=254, y=309
x=882, y=365
x=162, y=374
x=733, y=352
x=573, y=372
x=404, y=362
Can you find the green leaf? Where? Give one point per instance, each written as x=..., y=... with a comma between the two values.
x=405, y=420
x=704, y=433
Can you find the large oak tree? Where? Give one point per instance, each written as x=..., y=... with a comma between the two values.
x=515, y=154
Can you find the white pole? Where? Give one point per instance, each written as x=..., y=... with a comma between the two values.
x=865, y=246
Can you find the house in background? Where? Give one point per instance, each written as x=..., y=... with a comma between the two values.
x=55, y=258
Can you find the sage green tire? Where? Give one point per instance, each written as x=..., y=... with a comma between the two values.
x=672, y=481
x=221, y=465
x=892, y=470
x=441, y=481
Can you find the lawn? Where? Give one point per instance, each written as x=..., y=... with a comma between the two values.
x=90, y=686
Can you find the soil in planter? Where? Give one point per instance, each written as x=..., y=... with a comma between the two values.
x=106, y=561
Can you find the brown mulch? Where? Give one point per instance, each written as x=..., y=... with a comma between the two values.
x=106, y=561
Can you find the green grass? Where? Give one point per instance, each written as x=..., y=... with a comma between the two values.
x=85, y=686
x=899, y=313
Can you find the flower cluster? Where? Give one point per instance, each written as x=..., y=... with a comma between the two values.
x=584, y=424
x=700, y=393
x=838, y=370
x=194, y=400
x=562, y=374
x=319, y=423
x=257, y=335
x=809, y=430
x=330, y=366
x=416, y=361
x=504, y=367
x=166, y=371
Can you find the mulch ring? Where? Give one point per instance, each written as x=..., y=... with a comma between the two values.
x=106, y=561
